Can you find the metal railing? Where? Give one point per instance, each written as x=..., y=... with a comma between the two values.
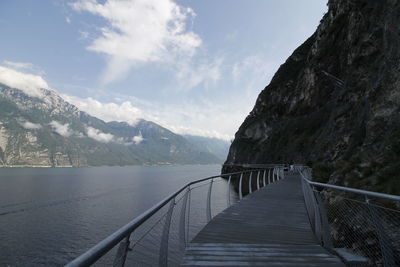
x=361, y=227
x=159, y=236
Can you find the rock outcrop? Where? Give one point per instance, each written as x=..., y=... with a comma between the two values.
x=335, y=103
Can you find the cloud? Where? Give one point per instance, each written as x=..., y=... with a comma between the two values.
x=28, y=83
x=83, y=35
x=217, y=115
x=207, y=74
x=124, y=111
x=198, y=132
x=24, y=66
x=61, y=129
x=98, y=135
x=30, y=125
x=140, y=31
x=19, y=65
x=68, y=20
x=256, y=65
x=252, y=74
x=188, y=118
x=137, y=139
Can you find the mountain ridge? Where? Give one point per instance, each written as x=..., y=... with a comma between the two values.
x=45, y=130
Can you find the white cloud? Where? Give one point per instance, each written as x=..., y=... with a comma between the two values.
x=98, y=135
x=137, y=139
x=198, y=132
x=140, y=31
x=24, y=66
x=252, y=74
x=204, y=119
x=207, y=74
x=19, y=65
x=61, y=129
x=30, y=125
x=124, y=111
x=256, y=65
x=68, y=20
x=219, y=117
x=83, y=35
x=28, y=83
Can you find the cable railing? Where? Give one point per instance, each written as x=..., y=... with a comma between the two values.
x=159, y=236
x=361, y=227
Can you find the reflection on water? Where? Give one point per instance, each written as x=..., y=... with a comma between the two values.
x=50, y=216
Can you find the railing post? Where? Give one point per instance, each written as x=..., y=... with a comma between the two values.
x=120, y=257
x=269, y=175
x=258, y=180
x=163, y=256
x=182, y=222
x=250, y=190
x=188, y=217
x=384, y=241
x=326, y=233
x=317, y=224
x=273, y=175
x=264, y=177
x=228, y=194
x=240, y=186
x=209, y=200
x=308, y=201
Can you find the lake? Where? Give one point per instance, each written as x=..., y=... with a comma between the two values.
x=49, y=216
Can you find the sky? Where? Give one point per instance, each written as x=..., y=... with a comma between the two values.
x=193, y=66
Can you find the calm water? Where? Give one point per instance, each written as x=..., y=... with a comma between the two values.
x=50, y=216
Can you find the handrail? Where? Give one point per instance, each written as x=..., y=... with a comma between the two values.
x=254, y=165
x=314, y=203
x=331, y=221
x=101, y=248
x=352, y=190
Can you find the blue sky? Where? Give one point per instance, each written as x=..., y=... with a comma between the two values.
x=193, y=66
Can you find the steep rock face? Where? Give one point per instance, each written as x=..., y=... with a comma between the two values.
x=335, y=103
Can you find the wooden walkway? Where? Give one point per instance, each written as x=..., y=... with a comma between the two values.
x=269, y=227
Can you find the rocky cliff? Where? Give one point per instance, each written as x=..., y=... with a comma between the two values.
x=335, y=103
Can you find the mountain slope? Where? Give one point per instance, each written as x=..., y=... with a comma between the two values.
x=215, y=146
x=335, y=103
x=45, y=130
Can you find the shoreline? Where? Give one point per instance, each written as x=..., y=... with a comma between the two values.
x=91, y=166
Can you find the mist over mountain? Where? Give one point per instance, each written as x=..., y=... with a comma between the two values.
x=39, y=128
x=215, y=146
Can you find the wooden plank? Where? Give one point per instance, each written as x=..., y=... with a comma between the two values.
x=269, y=227
x=224, y=254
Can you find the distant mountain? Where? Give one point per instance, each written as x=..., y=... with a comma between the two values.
x=218, y=147
x=42, y=129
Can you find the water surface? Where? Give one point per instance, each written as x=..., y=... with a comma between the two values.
x=48, y=216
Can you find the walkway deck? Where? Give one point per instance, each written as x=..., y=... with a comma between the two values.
x=269, y=227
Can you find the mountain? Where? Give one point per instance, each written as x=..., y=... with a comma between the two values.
x=335, y=103
x=215, y=146
x=39, y=128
